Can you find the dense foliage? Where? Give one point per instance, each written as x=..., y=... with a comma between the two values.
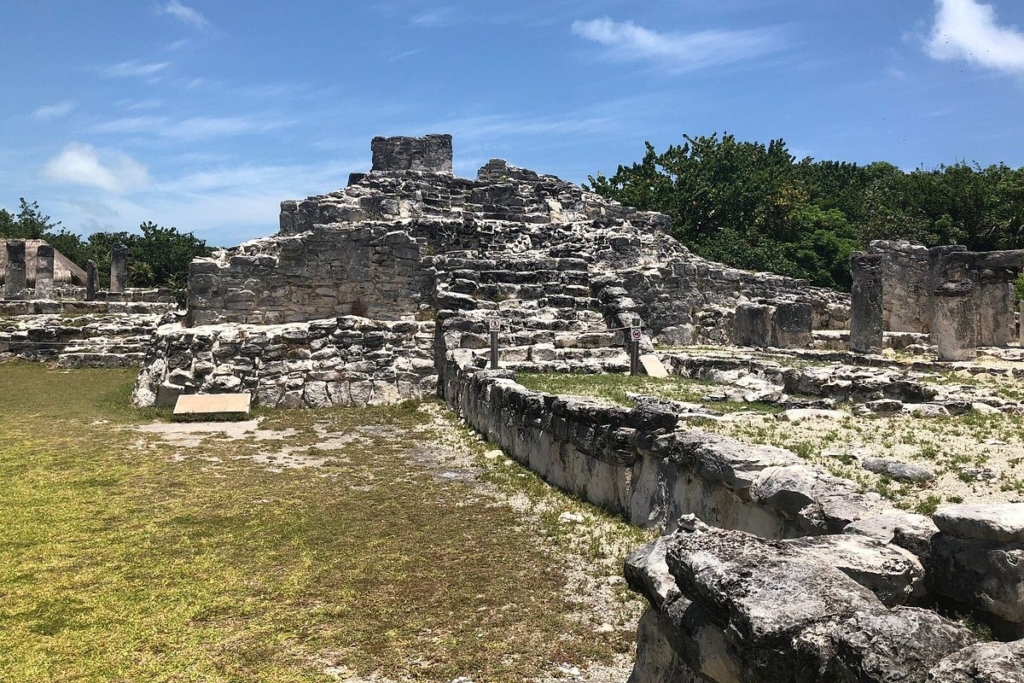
x=755, y=206
x=158, y=257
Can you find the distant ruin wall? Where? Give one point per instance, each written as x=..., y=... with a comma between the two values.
x=368, y=270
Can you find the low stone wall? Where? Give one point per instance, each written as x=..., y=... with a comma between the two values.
x=346, y=361
x=102, y=339
x=638, y=464
x=840, y=578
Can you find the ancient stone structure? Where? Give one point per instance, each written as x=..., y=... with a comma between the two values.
x=429, y=154
x=409, y=238
x=92, y=280
x=867, y=310
x=334, y=362
x=44, y=272
x=15, y=279
x=806, y=578
x=903, y=271
x=66, y=274
x=782, y=325
x=964, y=299
x=118, y=268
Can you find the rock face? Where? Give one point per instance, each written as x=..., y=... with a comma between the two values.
x=977, y=560
x=728, y=607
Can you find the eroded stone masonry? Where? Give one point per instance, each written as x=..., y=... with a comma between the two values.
x=771, y=570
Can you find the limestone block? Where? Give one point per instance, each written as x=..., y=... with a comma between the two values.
x=902, y=644
x=752, y=325
x=658, y=644
x=431, y=153
x=982, y=663
x=978, y=561
x=762, y=594
x=894, y=575
x=791, y=325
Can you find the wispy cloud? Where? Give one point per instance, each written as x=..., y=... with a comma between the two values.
x=133, y=69
x=202, y=127
x=82, y=164
x=442, y=16
x=194, y=128
x=968, y=30
x=185, y=14
x=625, y=41
x=53, y=111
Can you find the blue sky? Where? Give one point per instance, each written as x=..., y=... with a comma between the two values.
x=205, y=114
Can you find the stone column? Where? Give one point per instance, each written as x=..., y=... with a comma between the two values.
x=994, y=301
x=44, y=272
x=792, y=325
x=118, y=268
x=16, y=277
x=92, y=278
x=955, y=320
x=866, y=303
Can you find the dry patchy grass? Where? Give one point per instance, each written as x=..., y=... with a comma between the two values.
x=127, y=558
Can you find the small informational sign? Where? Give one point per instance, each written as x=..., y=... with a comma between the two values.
x=636, y=334
x=495, y=325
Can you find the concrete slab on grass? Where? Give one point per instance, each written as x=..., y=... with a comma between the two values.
x=212, y=406
x=652, y=366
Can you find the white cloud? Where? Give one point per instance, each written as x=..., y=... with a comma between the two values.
x=53, y=111
x=82, y=164
x=133, y=69
x=968, y=30
x=436, y=18
x=683, y=51
x=195, y=128
x=185, y=14
x=204, y=127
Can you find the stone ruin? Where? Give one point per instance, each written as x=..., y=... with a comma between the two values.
x=411, y=242
x=53, y=310
x=962, y=299
x=387, y=289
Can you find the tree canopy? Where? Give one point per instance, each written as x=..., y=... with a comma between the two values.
x=756, y=206
x=159, y=256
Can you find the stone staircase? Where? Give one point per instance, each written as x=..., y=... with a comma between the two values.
x=550, y=320
x=106, y=340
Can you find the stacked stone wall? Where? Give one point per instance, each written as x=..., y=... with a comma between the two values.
x=346, y=361
x=368, y=270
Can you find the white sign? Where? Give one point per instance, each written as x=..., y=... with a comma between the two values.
x=635, y=333
x=495, y=325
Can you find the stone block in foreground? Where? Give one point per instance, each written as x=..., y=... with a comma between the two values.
x=977, y=560
x=730, y=607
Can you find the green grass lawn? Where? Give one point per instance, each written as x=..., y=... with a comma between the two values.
x=121, y=562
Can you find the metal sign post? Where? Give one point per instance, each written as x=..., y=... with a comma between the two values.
x=495, y=327
x=635, y=334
